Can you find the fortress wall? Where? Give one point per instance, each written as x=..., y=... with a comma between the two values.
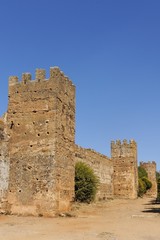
x=103, y=168
x=38, y=151
x=125, y=176
x=65, y=141
x=4, y=162
x=41, y=125
x=150, y=168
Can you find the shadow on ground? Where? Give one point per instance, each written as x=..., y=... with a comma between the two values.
x=153, y=202
x=154, y=207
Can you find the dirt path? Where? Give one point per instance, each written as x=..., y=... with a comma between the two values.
x=115, y=220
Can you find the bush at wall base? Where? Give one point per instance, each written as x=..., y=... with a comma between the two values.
x=144, y=183
x=158, y=189
x=86, y=183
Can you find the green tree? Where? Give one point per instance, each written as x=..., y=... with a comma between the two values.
x=157, y=175
x=158, y=185
x=147, y=183
x=144, y=183
x=158, y=189
x=86, y=183
x=142, y=172
x=141, y=187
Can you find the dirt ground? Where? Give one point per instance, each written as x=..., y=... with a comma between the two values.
x=115, y=220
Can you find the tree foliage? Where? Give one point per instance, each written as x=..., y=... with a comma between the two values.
x=144, y=183
x=86, y=183
x=158, y=185
x=141, y=187
x=147, y=183
x=157, y=175
x=142, y=172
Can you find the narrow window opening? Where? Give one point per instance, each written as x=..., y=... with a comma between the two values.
x=12, y=124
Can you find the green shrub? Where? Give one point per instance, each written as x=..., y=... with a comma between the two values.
x=144, y=183
x=157, y=175
x=86, y=183
x=141, y=187
x=158, y=189
x=147, y=182
x=158, y=185
x=142, y=172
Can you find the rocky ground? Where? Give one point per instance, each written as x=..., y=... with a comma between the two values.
x=115, y=220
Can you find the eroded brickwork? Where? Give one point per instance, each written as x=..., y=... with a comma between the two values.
x=41, y=125
x=150, y=168
x=4, y=162
x=38, y=151
x=103, y=168
x=125, y=176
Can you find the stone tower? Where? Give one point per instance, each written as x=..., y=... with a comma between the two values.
x=4, y=162
x=125, y=176
x=150, y=168
x=41, y=126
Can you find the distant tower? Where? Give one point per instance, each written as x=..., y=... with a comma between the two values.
x=41, y=126
x=150, y=168
x=125, y=176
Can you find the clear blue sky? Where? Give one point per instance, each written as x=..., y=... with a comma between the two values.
x=111, y=51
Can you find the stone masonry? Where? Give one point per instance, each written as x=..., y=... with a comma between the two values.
x=4, y=161
x=125, y=177
x=150, y=168
x=103, y=168
x=38, y=151
x=41, y=126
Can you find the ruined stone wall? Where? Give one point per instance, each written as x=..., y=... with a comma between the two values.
x=41, y=126
x=125, y=176
x=150, y=168
x=38, y=151
x=103, y=168
x=4, y=162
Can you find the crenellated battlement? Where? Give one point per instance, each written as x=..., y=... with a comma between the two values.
x=123, y=148
x=40, y=76
x=148, y=163
x=13, y=80
x=119, y=143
